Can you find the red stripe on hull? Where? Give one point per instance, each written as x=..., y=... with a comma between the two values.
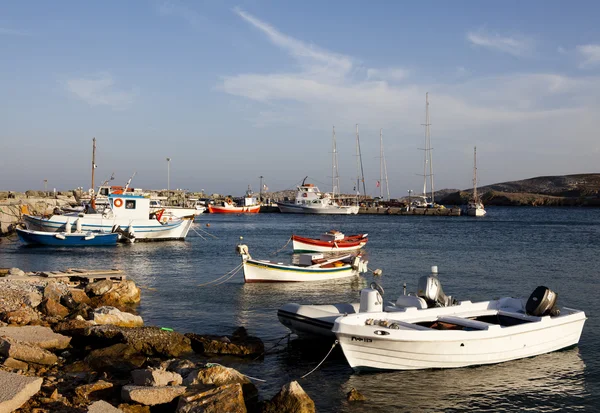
x=234, y=210
x=351, y=241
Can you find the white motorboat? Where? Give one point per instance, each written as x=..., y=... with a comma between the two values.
x=466, y=334
x=130, y=213
x=310, y=268
x=309, y=321
x=309, y=200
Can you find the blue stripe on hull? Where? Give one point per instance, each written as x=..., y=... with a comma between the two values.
x=76, y=240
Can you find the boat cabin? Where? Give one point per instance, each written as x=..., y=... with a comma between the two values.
x=129, y=206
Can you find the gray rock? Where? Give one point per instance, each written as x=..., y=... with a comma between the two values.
x=151, y=396
x=55, y=290
x=155, y=377
x=114, y=316
x=99, y=287
x=9, y=347
x=12, y=363
x=102, y=407
x=33, y=299
x=218, y=375
x=16, y=390
x=182, y=367
x=40, y=336
x=117, y=359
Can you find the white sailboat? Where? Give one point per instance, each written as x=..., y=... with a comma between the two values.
x=475, y=207
x=422, y=201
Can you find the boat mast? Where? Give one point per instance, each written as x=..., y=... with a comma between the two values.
x=428, y=149
x=475, y=174
x=359, y=165
x=387, y=186
x=93, y=171
x=335, y=176
x=381, y=163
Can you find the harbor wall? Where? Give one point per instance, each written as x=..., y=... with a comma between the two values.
x=12, y=209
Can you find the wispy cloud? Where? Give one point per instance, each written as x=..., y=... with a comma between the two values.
x=514, y=45
x=388, y=74
x=590, y=55
x=99, y=90
x=176, y=9
x=12, y=32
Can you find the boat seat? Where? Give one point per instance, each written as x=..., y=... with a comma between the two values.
x=465, y=322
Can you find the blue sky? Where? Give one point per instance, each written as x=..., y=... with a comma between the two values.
x=234, y=90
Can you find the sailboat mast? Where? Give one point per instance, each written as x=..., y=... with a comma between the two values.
x=387, y=185
x=359, y=165
x=93, y=200
x=475, y=174
x=429, y=149
x=335, y=177
x=427, y=159
x=381, y=163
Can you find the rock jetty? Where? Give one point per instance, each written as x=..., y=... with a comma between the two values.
x=72, y=344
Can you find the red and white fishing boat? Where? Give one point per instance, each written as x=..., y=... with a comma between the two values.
x=331, y=241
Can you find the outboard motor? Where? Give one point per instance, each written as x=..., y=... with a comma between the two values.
x=371, y=299
x=542, y=302
x=430, y=289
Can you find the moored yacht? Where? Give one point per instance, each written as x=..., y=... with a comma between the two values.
x=309, y=200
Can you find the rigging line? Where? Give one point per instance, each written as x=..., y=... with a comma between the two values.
x=319, y=365
x=208, y=233
x=223, y=276
x=281, y=249
x=197, y=233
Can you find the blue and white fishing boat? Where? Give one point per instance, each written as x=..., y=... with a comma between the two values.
x=130, y=213
x=65, y=239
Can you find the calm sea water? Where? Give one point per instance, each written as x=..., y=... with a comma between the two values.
x=507, y=253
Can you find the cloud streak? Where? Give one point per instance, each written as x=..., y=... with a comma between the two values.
x=590, y=55
x=99, y=90
x=514, y=45
x=11, y=32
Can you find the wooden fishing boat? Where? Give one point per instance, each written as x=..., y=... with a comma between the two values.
x=230, y=208
x=311, y=267
x=65, y=239
x=330, y=241
x=466, y=334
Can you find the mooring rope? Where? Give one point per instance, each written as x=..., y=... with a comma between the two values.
x=281, y=249
x=250, y=377
x=231, y=276
x=272, y=347
x=319, y=365
x=197, y=233
x=234, y=271
x=208, y=233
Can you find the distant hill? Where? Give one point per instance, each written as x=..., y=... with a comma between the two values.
x=561, y=190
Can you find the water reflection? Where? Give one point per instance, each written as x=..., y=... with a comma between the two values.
x=549, y=382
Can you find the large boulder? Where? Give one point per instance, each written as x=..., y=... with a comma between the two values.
x=123, y=294
x=79, y=296
x=151, y=341
x=155, y=377
x=21, y=316
x=20, y=350
x=53, y=308
x=218, y=375
x=239, y=344
x=182, y=367
x=101, y=406
x=355, y=396
x=16, y=390
x=228, y=398
x=55, y=291
x=290, y=399
x=114, y=316
x=151, y=396
x=40, y=336
x=118, y=359
x=99, y=287
x=96, y=390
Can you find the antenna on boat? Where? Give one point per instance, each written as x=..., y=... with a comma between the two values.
x=335, y=176
x=128, y=182
x=427, y=150
x=359, y=166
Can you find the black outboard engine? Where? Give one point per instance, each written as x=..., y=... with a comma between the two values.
x=430, y=289
x=542, y=302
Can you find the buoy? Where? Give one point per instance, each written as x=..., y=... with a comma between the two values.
x=434, y=269
x=377, y=272
x=208, y=224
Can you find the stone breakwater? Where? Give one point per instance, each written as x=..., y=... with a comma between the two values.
x=12, y=205
x=77, y=346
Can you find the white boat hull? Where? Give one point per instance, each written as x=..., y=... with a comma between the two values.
x=476, y=212
x=179, y=212
x=266, y=271
x=318, y=209
x=143, y=229
x=414, y=347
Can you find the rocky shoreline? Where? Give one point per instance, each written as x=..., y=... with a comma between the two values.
x=68, y=345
